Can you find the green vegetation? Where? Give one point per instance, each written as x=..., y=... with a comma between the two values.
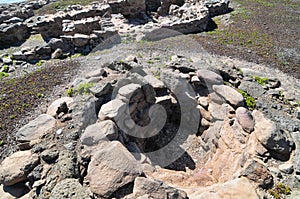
x=250, y=101
x=39, y=63
x=157, y=75
x=261, y=80
x=70, y=92
x=3, y=74
x=85, y=88
x=280, y=190
x=298, y=103
x=13, y=116
x=82, y=89
x=1, y=142
x=76, y=55
x=150, y=61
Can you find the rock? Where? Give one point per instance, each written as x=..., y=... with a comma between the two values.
x=259, y=174
x=36, y=128
x=49, y=155
x=298, y=113
x=7, y=60
x=217, y=7
x=95, y=73
x=128, y=91
x=296, y=162
x=80, y=40
x=67, y=165
x=286, y=168
x=111, y=167
x=104, y=130
x=278, y=142
x=13, y=33
x=127, y=8
x=112, y=109
x=57, y=54
x=53, y=109
x=16, y=167
x=233, y=97
x=210, y=78
x=152, y=188
x=245, y=119
x=234, y=189
x=14, y=191
x=100, y=89
x=252, y=88
x=55, y=43
x=69, y=188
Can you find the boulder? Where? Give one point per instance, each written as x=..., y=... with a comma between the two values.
x=69, y=188
x=111, y=167
x=245, y=119
x=217, y=7
x=36, y=128
x=53, y=109
x=112, y=109
x=209, y=78
x=104, y=130
x=16, y=167
x=278, y=142
x=230, y=95
x=13, y=33
x=258, y=173
x=152, y=188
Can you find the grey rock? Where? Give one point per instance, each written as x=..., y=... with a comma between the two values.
x=296, y=162
x=210, y=78
x=36, y=128
x=252, y=88
x=217, y=7
x=49, y=155
x=69, y=188
x=278, y=142
x=112, y=109
x=232, y=96
x=53, y=109
x=111, y=167
x=286, y=168
x=104, y=130
x=101, y=89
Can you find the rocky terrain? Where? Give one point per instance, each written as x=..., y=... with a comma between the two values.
x=149, y=113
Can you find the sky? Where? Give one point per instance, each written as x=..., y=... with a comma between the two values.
x=10, y=1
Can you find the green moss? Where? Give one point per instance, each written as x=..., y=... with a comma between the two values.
x=261, y=80
x=13, y=116
x=157, y=75
x=3, y=74
x=280, y=190
x=250, y=101
x=70, y=92
x=150, y=62
x=39, y=63
x=1, y=141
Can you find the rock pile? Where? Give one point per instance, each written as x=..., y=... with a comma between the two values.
x=124, y=133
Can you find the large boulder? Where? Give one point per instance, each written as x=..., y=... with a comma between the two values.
x=13, y=33
x=111, y=167
x=16, y=167
x=36, y=128
x=104, y=130
x=278, y=142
